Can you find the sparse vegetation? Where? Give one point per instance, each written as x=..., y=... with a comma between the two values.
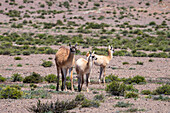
x=33, y=78
x=47, y=63
x=164, y=89
x=59, y=106
x=131, y=95
x=146, y=92
x=16, y=77
x=51, y=78
x=17, y=58
x=10, y=92
x=2, y=79
x=116, y=88
x=123, y=104
x=136, y=79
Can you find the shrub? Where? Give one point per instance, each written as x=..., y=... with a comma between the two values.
x=116, y=88
x=164, y=89
x=36, y=94
x=152, y=23
x=99, y=97
x=51, y=78
x=17, y=58
x=19, y=65
x=131, y=95
x=131, y=88
x=47, y=63
x=10, y=92
x=139, y=63
x=147, y=4
x=68, y=84
x=80, y=97
x=34, y=78
x=150, y=60
x=16, y=77
x=2, y=79
x=90, y=103
x=111, y=78
x=124, y=63
x=123, y=104
x=136, y=79
x=56, y=107
x=32, y=85
x=52, y=86
x=161, y=97
x=26, y=53
x=146, y=92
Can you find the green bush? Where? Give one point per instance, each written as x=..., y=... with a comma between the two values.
x=99, y=97
x=32, y=85
x=146, y=92
x=19, y=65
x=162, y=98
x=136, y=79
x=116, y=88
x=68, y=84
x=152, y=23
x=151, y=60
x=47, y=63
x=80, y=97
x=90, y=103
x=164, y=89
x=123, y=104
x=16, y=77
x=131, y=95
x=2, y=79
x=56, y=107
x=51, y=78
x=17, y=58
x=34, y=78
x=124, y=63
x=30, y=94
x=26, y=52
x=10, y=92
x=131, y=88
x=52, y=86
x=111, y=78
x=139, y=63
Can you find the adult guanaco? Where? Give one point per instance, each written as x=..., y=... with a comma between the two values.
x=65, y=60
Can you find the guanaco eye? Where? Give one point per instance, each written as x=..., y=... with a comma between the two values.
x=92, y=56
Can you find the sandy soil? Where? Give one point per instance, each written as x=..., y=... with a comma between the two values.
x=156, y=70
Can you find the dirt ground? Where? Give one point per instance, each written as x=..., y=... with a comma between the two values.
x=156, y=70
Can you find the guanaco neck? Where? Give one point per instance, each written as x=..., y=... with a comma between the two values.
x=110, y=54
x=90, y=62
x=71, y=56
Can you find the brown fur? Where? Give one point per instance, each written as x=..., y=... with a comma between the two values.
x=64, y=59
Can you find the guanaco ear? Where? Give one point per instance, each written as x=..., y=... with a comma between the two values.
x=109, y=46
x=70, y=44
x=75, y=44
x=87, y=54
x=93, y=52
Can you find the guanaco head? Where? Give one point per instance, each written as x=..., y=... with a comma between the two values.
x=73, y=48
x=91, y=55
x=111, y=49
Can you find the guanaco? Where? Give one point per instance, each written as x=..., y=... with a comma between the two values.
x=65, y=60
x=84, y=66
x=103, y=61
